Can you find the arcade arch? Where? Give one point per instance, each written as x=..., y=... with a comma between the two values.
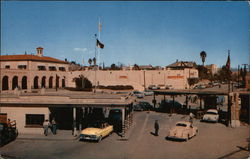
x=14, y=82
x=5, y=83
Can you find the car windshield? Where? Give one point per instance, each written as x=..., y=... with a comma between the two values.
x=99, y=125
x=137, y=92
x=213, y=113
x=181, y=124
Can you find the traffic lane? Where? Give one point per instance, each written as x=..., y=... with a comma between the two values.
x=213, y=140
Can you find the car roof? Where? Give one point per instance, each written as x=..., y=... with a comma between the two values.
x=212, y=110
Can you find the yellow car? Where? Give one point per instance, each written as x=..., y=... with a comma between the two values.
x=96, y=132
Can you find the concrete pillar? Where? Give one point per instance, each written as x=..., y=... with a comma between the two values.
x=186, y=101
x=123, y=122
x=235, y=111
x=154, y=101
x=173, y=108
x=74, y=122
x=10, y=82
x=200, y=102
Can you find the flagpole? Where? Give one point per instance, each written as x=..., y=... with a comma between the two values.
x=95, y=63
x=99, y=37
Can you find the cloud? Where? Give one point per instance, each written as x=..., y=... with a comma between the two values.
x=80, y=49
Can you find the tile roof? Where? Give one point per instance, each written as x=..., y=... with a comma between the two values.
x=30, y=58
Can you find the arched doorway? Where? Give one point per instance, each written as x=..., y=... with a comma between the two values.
x=36, y=82
x=5, y=83
x=51, y=82
x=57, y=81
x=43, y=82
x=82, y=82
x=63, y=82
x=14, y=82
x=24, y=82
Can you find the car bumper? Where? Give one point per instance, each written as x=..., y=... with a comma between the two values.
x=89, y=137
x=210, y=120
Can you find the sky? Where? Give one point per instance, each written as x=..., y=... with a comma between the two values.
x=143, y=33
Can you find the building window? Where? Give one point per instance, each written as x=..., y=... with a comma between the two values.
x=52, y=68
x=62, y=69
x=7, y=66
x=22, y=66
x=34, y=120
x=41, y=68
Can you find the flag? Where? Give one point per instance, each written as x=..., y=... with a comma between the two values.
x=99, y=44
x=228, y=61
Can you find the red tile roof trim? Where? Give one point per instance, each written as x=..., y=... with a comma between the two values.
x=30, y=58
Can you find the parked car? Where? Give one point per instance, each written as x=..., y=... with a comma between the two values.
x=168, y=106
x=115, y=119
x=169, y=87
x=211, y=115
x=183, y=130
x=96, y=132
x=153, y=87
x=161, y=86
x=148, y=93
x=138, y=94
x=199, y=87
x=142, y=106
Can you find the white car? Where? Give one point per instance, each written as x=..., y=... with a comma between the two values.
x=138, y=94
x=211, y=116
x=148, y=93
x=183, y=130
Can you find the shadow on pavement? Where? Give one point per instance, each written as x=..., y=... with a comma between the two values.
x=176, y=140
x=234, y=152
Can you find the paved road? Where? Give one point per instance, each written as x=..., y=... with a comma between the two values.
x=213, y=141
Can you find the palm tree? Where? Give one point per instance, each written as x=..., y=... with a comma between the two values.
x=90, y=62
x=94, y=60
x=203, y=55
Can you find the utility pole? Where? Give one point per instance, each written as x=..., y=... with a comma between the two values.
x=238, y=79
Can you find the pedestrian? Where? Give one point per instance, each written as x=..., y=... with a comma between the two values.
x=191, y=117
x=53, y=122
x=156, y=128
x=46, y=125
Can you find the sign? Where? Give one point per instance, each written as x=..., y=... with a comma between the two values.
x=175, y=77
x=123, y=77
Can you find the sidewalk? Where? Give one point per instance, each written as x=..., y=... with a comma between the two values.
x=61, y=135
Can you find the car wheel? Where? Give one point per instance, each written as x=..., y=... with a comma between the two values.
x=100, y=138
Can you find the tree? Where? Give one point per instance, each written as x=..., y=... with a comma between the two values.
x=113, y=67
x=136, y=67
x=224, y=74
x=203, y=72
x=203, y=56
x=90, y=62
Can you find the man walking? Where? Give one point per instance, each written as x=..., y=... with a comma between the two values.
x=191, y=117
x=156, y=127
x=53, y=122
x=46, y=125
